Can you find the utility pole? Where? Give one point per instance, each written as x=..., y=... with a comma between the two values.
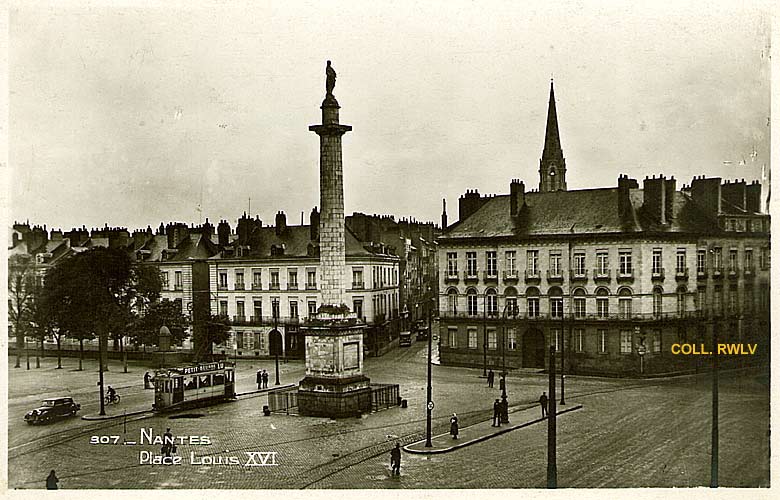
x=429, y=405
x=714, y=456
x=552, y=467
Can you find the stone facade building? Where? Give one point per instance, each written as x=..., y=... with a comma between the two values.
x=611, y=276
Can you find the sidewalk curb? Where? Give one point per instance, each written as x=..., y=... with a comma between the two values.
x=109, y=417
x=270, y=389
x=482, y=438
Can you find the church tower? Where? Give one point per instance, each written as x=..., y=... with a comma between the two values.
x=552, y=166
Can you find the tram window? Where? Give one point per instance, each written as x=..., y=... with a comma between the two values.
x=192, y=383
x=219, y=379
x=205, y=381
x=177, y=383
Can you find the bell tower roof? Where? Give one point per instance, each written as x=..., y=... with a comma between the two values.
x=552, y=165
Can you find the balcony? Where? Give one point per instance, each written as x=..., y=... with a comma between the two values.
x=490, y=276
x=701, y=273
x=625, y=276
x=179, y=288
x=717, y=273
x=358, y=285
x=222, y=286
x=749, y=272
x=311, y=286
x=273, y=286
x=658, y=274
x=681, y=274
x=239, y=320
x=580, y=275
x=257, y=286
x=239, y=286
x=576, y=317
x=554, y=277
x=602, y=275
x=733, y=273
x=292, y=286
x=533, y=276
x=451, y=278
x=511, y=275
x=470, y=276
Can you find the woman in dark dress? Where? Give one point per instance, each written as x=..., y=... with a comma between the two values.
x=454, y=426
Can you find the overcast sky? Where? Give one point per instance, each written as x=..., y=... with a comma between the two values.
x=132, y=114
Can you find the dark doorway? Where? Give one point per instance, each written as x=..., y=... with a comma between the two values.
x=533, y=349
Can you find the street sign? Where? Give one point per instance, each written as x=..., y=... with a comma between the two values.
x=430, y=405
x=641, y=350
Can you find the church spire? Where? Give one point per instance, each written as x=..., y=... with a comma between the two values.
x=552, y=165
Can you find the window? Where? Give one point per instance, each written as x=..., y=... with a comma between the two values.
x=240, y=280
x=602, y=340
x=452, y=336
x=555, y=263
x=717, y=300
x=492, y=302
x=624, y=303
x=625, y=341
x=492, y=266
x=164, y=278
x=275, y=307
x=701, y=299
x=579, y=339
x=294, y=308
x=223, y=280
x=657, y=261
x=701, y=261
x=257, y=281
x=748, y=259
x=472, y=332
x=471, y=263
x=579, y=303
x=511, y=307
x=556, y=307
x=555, y=333
x=533, y=302
x=602, y=303
x=680, y=267
x=717, y=259
x=178, y=280
x=471, y=302
x=658, y=301
x=357, y=278
x=764, y=297
x=240, y=310
x=733, y=256
x=749, y=299
x=733, y=299
x=311, y=279
x=357, y=307
x=223, y=308
x=602, y=262
x=274, y=279
x=681, y=301
x=511, y=335
x=259, y=341
x=532, y=257
x=312, y=308
x=292, y=279
x=258, y=306
x=624, y=260
x=657, y=341
x=452, y=264
x=452, y=301
x=491, y=338
x=763, y=258
x=510, y=262
x=579, y=264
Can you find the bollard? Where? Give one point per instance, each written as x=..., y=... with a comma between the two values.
x=403, y=403
x=266, y=411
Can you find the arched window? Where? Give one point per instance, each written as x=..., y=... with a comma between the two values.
x=602, y=302
x=471, y=301
x=625, y=301
x=681, y=292
x=556, y=302
x=532, y=300
x=579, y=303
x=452, y=301
x=512, y=309
x=658, y=302
x=491, y=302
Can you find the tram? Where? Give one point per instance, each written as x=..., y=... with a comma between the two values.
x=196, y=385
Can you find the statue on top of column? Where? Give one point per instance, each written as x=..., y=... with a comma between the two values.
x=330, y=79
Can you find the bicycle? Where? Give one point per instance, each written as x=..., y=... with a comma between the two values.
x=109, y=400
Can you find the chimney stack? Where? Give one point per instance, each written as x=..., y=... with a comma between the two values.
x=655, y=198
x=281, y=223
x=314, y=224
x=516, y=197
x=707, y=194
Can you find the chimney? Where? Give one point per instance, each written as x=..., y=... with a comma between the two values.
x=38, y=236
x=314, y=224
x=625, y=185
x=707, y=193
x=753, y=197
x=735, y=193
x=223, y=233
x=243, y=229
x=655, y=198
x=468, y=204
x=56, y=234
x=670, y=186
x=516, y=197
x=281, y=223
x=118, y=237
x=444, y=214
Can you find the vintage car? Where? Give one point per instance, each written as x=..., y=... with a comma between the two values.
x=51, y=409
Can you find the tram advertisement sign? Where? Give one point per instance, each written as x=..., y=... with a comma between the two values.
x=205, y=367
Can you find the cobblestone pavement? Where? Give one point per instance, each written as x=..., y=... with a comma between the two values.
x=629, y=433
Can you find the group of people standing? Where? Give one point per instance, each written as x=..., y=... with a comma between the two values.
x=262, y=379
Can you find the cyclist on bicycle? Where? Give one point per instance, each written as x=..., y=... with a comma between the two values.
x=111, y=393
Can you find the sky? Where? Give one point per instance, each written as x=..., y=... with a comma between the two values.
x=135, y=113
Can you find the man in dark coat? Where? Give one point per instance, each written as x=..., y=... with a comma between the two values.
x=502, y=382
x=265, y=379
x=395, y=459
x=490, y=376
x=168, y=445
x=146, y=380
x=259, y=379
x=51, y=481
x=497, y=413
x=543, y=404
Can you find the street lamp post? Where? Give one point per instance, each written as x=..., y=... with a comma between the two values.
x=429, y=405
x=714, y=456
x=484, y=335
x=563, y=355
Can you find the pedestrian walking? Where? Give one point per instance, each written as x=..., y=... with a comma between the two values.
x=497, y=413
x=395, y=460
x=146, y=380
x=491, y=376
x=543, y=404
x=454, y=426
x=169, y=446
x=259, y=379
x=502, y=382
x=51, y=481
x=265, y=379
